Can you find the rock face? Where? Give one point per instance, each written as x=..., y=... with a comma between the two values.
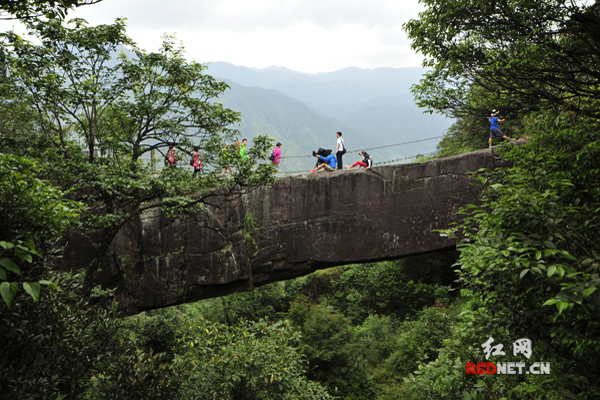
x=298, y=225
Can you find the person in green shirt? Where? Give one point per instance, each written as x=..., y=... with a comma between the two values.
x=243, y=149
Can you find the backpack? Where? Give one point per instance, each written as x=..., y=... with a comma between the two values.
x=192, y=160
x=272, y=156
x=343, y=144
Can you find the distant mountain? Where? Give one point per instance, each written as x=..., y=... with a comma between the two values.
x=349, y=86
x=392, y=122
x=376, y=103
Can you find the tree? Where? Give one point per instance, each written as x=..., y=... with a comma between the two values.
x=62, y=347
x=127, y=107
x=251, y=360
x=33, y=217
x=28, y=9
x=530, y=262
x=530, y=55
x=329, y=342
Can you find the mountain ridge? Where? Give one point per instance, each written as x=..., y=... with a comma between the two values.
x=374, y=103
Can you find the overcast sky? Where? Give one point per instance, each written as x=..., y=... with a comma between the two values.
x=304, y=35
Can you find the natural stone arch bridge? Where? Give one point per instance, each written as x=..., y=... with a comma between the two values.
x=302, y=223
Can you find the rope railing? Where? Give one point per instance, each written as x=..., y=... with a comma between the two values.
x=372, y=148
x=509, y=122
x=374, y=164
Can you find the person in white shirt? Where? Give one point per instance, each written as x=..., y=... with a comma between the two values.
x=340, y=150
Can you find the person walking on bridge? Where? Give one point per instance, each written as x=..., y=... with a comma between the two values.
x=197, y=162
x=494, y=131
x=171, y=158
x=275, y=156
x=227, y=154
x=243, y=149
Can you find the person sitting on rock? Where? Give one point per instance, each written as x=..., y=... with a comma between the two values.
x=329, y=163
x=367, y=161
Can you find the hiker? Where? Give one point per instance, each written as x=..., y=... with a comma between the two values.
x=321, y=152
x=227, y=156
x=171, y=158
x=197, y=162
x=340, y=150
x=494, y=131
x=329, y=163
x=275, y=156
x=367, y=161
x=243, y=147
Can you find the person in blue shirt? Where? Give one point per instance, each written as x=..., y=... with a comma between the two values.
x=494, y=131
x=329, y=162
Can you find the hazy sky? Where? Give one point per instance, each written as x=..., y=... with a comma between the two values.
x=304, y=35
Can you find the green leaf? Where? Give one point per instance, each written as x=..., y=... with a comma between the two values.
x=567, y=255
x=538, y=255
x=551, y=271
x=8, y=290
x=49, y=284
x=31, y=247
x=523, y=273
x=33, y=289
x=2, y=274
x=10, y=265
x=562, y=306
x=6, y=245
x=586, y=262
x=589, y=291
x=549, y=302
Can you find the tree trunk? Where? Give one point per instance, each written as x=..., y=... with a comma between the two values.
x=108, y=235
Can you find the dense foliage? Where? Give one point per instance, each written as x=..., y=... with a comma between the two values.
x=362, y=358
x=32, y=9
x=34, y=215
x=529, y=265
x=251, y=360
x=529, y=251
x=80, y=86
x=79, y=114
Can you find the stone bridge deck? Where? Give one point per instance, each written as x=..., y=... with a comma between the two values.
x=301, y=223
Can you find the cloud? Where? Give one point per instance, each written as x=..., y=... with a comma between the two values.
x=244, y=15
x=304, y=35
x=304, y=47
